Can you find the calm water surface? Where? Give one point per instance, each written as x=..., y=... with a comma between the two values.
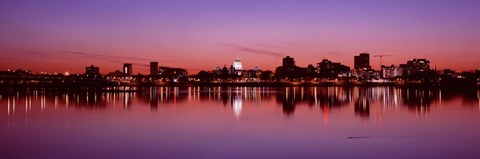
x=241, y=122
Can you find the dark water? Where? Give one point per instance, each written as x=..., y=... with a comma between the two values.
x=242, y=122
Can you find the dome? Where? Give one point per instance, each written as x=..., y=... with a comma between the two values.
x=237, y=65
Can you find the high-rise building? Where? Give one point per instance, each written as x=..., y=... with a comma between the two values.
x=288, y=70
x=153, y=68
x=92, y=71
x=392, y=71
x=362, y=61
x=288, y=62
x=327, y=68
x=127, y=69
x=415, y=67
x=418, y=65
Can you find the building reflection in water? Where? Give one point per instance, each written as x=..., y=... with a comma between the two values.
x=362, y=99
x=324, y=98
x=153, y=99
x=362, y=107
x=237, y=105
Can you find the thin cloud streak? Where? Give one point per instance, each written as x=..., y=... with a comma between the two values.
x=117, y=61
x=267, y=45
x=107, y=58
x=255, y=51
x=111, y=57
x=104, y=56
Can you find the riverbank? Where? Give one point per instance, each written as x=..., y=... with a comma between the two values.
x=129, y=87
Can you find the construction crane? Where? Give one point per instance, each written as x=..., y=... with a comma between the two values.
x=381, y=56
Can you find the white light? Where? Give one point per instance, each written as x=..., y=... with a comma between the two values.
x=237, y=105
x=237, y=65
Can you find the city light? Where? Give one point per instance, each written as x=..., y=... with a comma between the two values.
x=416, y=72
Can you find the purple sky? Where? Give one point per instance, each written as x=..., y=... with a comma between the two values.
x=67, y=36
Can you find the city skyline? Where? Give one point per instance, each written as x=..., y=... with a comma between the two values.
x=153, y=66
x=199, y=35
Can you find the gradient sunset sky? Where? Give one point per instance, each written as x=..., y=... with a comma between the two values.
x=67, y=36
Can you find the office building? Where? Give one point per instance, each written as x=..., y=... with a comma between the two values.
x=92, y=71
x=389, y=72
x=288, y=62
x=416, y=67
x=288, y=71
x=362, y=61
x=153, y=68
x=330, y=69
x=127, y=69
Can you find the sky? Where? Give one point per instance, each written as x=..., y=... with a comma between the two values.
x=69, y=35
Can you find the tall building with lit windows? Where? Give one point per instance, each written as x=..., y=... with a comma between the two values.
x=92, y=71
x=417, y=66
x=127, y=69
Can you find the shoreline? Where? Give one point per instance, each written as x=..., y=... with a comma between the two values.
x=109, y=87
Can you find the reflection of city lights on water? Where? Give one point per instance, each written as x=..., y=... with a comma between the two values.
x=56, y=101
x=8, y=106
x=126, y=99
x=237, y=105
x=26, y=104
x=366, y=100
x=396, y=95
x=66, y=101
x=286, y=93
x=42, y=103
x=440, y=98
